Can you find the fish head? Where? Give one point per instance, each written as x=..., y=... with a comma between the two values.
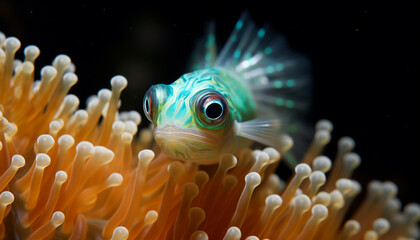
x=192, y=119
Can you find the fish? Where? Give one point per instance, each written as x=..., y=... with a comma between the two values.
x=254, y=90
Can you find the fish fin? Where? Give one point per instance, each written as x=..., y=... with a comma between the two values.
x=277, y=77
x=205, y=52
x=268, y=130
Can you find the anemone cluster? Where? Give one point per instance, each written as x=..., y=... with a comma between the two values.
x=70, y=173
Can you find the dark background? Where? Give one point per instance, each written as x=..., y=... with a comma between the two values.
x=364, y=57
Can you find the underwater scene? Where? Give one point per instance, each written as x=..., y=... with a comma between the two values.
x=241, y=121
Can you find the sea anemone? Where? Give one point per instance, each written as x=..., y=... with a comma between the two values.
x=70, y=173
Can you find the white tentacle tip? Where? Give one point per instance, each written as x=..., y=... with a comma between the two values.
x=27, y=67
x=346, y=144
x=66, y=140
x=114, y=180
x=199, y=235
x=302, y=202
x=318, y=177
x=45, y=140
x=412, y=212
x=273, y=153
x=104, y=154
x=324, y=124
x=273, y=200
x=61, y=176
x=322, y=198
x=344, y=185
x=352, y=226
x=381, y=226
x=70, y=78
x=127, y=137
x=322, y=137
x=57, y=218
x=104, y=94
x=42, y=160
x=18, y=161
x=6, y=198
x=352, y=160
x=31, y=52
x=120, y=233
x=146, y=154
x=320, y=211
x=84, y=148
x=12, y=44
x=253, y=179
x=131, y=127
x=233, y=233
x=61, y=61
x=71, y=99
x=303, y=170
x=118, y=127
x=119, y=82
x=48, y=72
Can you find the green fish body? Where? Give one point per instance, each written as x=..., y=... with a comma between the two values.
x=229, y=102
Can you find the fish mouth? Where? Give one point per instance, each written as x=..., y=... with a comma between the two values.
x=184, y=144
x=174, y=132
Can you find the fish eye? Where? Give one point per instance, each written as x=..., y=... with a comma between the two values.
x=211, y=107
x=213, y=110
x=155, y=97
x=148, y=105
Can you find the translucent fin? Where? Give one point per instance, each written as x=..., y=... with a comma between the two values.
x=277, y=78
x=205, y=52
x=266, y=130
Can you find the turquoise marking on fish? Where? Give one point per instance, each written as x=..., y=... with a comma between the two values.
x=223, y=105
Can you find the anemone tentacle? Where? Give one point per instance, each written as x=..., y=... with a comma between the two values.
x=65, y=174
